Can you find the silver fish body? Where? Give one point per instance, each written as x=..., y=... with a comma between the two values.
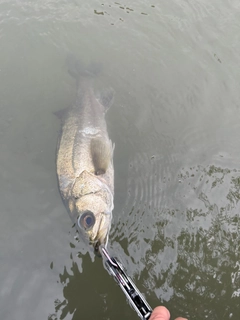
x=85, y=164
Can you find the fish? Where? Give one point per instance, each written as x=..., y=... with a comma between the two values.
x=84, y=160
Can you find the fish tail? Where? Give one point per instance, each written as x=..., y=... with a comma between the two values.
x=78, y=70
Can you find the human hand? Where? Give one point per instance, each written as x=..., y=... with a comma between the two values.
x=162, y=313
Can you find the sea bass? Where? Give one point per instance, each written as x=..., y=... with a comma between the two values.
x=85, y=162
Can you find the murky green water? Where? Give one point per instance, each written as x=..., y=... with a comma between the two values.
x=176, y=124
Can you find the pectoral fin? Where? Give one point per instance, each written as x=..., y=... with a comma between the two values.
x=102, y=152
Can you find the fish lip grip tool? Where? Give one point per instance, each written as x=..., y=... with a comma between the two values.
x=132, y=293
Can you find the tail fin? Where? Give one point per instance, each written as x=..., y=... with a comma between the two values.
x=77, y=69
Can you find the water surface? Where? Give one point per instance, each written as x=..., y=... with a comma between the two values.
x=176, y=124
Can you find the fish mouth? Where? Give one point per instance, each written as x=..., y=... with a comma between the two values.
x=101, y=238
x=97, y=249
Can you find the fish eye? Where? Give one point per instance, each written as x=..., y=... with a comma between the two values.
x=86, y=220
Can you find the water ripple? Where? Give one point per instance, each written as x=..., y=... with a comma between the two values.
x=186, y=254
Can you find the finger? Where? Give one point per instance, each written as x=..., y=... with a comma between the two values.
x=181, y=318
x=160, y=313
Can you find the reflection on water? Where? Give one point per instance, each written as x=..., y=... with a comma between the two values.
x=187, y=260
x=80, y=297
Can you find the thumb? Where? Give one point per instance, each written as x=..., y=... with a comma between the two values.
x=160, y=313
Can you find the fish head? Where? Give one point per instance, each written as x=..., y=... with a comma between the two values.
x=93, y=218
